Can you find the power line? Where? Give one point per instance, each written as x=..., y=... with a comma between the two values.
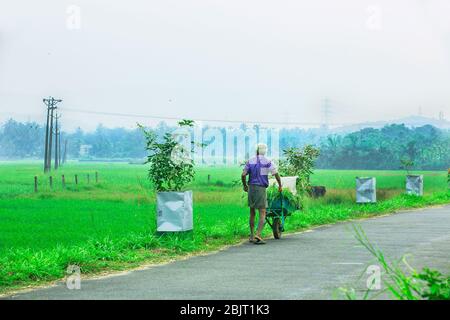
x=198, y=119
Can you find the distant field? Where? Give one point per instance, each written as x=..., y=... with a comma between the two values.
x=101, y=225
x=123, y=202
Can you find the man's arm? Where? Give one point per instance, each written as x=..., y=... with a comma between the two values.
x=274, y=171
x=244, y=180
x=277, y=177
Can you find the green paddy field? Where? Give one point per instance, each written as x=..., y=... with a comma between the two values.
x=110, y=225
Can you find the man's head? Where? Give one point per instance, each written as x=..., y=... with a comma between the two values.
x=261, y=149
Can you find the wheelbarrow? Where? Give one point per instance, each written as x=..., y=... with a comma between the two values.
x=278, y=209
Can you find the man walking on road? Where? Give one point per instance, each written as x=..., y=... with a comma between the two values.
x=258, y=169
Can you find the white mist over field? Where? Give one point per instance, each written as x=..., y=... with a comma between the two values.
x=253, y=60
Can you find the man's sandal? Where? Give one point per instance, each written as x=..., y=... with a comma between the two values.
x=259, y=240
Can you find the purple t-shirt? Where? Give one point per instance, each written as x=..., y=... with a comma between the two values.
x=259, y=168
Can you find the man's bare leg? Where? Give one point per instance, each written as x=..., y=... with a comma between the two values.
x=262, y=221
x=252, y=223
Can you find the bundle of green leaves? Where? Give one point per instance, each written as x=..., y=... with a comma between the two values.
x=274, y=195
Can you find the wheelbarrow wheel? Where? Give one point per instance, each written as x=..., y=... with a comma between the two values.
x=276, y=228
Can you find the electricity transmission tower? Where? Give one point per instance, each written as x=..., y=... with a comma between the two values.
x=51, y=107
x=326, y=111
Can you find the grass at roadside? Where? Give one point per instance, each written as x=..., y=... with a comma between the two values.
x=400, y=280
x=111, y=225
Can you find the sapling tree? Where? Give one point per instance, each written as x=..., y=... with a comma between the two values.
x=299, y=162
x=171, y=164
x=448, y=177
x=406, y=164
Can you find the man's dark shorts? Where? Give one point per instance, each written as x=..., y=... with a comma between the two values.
x=257, y=197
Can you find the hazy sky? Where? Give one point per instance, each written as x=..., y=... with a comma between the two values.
x=225, y=59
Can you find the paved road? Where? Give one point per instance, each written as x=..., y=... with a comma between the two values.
x=308, y=265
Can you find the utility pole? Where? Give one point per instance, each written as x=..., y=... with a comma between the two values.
x=57, y=148
x=51, y=106
x=59, y=143
x=46, y=138
x=50, y=141
x=65, y=151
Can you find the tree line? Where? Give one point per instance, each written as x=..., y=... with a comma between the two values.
x=427, y=147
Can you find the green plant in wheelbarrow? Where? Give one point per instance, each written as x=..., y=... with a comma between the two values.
x=299, y=162
x=171, y=169
x=280, y=205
